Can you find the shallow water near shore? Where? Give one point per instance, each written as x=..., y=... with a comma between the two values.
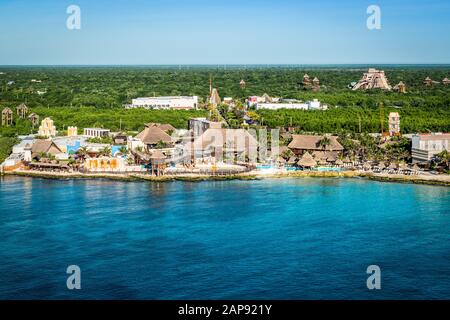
x=309, y=238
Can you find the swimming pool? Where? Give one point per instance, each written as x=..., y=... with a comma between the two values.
x=328, y=169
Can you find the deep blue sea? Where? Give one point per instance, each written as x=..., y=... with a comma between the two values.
x=306, y=238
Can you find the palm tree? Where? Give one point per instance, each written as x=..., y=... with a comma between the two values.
x=123, y=150
x=106, y=151
x=324, y=142
x=82, y=153
x=444, y=157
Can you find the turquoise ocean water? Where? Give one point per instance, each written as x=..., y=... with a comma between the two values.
x=307, y=238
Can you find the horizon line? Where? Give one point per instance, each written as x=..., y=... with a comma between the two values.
x=230, y=64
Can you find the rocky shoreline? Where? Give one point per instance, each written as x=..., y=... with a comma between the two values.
x=442, y=180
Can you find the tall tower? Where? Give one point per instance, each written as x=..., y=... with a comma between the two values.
x=210, y=86
x=7, y=117
x=394, y=124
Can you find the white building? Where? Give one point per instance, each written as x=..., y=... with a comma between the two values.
x=277, y=106
x=310, y=105
x=178, y=102
x=425, y=146
x=96, y=132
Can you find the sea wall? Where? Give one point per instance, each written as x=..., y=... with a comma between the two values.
x=442, y=180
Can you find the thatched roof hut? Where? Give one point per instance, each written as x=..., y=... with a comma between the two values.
x=157, y=155
x=339, y=162
x=163, y=126
x=331, y=157
x=311, y=143
x=44, y=146
x=292, y=160
x=307, y=161
x=367, y=166
x=347, y=160
x=393, y=165
x=281, y=160
x=152, y=135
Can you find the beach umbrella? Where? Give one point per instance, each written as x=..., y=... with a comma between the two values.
x=307, y=161
x=393, y=166
x=292, y=160
x=415, y=167
x=402, y=165
x=157, y=156
x=367, y=166
x=339, y=162
x=281, y=160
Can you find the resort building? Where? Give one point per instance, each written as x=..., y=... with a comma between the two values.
x=425, y=146
x=96, y=132
x=278, y=106
x=105, y=164
x=254, y=100
x=44, y=147
x=152, y=137
x=286, y=104
x=325, y=148
x=72, y=131
x=446, y=81
x=166, y=127
x=47, y=128
x=120, y=139
x=242, y=84
x=199, y=125
x=20, y=147
x=373, y=79
x=394, y=124
x=7, y=117
x=215, y=145
x=171, y=102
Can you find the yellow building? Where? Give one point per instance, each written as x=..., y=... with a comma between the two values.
x=72, y=131
x=47, y=129
x=104, y=164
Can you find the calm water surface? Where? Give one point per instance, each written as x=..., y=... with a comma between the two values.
x=273, y=239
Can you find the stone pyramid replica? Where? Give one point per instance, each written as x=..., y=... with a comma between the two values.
x=373, y=79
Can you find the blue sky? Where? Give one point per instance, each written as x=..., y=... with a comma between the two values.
x=224, y=32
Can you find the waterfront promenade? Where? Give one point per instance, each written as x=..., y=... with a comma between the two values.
x=422, y=178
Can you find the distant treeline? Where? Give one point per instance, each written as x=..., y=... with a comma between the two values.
x=106, y=87
x=94, y=96
x=354, y=119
